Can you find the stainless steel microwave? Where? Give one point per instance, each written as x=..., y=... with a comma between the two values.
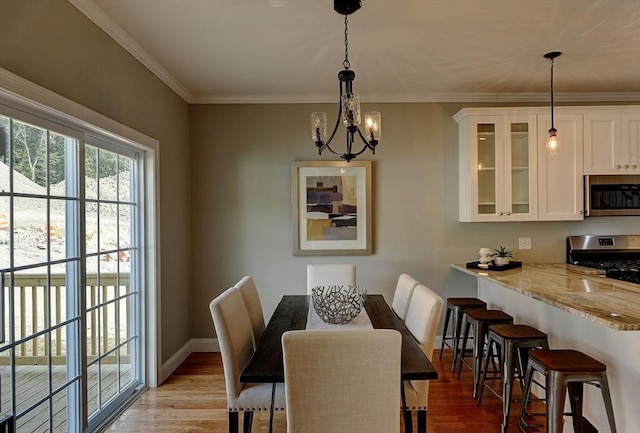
x=612, y=195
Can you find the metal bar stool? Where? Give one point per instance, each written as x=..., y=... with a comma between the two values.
x=458, y=306
x=514, y=341
x=566, y=370
x=480, y=320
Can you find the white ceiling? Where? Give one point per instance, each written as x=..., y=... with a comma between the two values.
x=212, y=51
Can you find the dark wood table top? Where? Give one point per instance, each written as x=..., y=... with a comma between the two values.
x=266, y=365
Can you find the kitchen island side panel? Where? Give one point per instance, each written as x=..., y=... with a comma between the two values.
x=619, y=350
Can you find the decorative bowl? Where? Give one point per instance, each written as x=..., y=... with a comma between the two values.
x=338, y=305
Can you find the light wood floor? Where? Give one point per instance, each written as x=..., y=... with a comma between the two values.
x=193, y=399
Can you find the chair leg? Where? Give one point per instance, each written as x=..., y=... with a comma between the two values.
x=606, y=396
x=422, y=421
x=248, y=420
x=233, y=422
x=406, y=413
x=444, y=330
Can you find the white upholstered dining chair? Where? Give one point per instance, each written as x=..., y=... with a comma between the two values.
x=251, y=299
x=341, y=381
x=422, y=321
x=330, y=275
x=235, y=338
x=402, y=295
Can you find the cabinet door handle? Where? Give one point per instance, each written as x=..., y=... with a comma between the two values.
x=626, y=166
x=579, y=212
x=634, y=166
x=508, y=213
x=618, y=166
x=501, y=213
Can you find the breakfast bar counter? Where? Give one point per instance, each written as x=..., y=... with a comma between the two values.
x=578, y=309
x=581, y=291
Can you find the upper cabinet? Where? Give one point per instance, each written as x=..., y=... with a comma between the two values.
x=612, y=140
x=497, y=167
x=560, y=176
x=505, y=171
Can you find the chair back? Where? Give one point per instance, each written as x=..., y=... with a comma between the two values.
x=423, y=317
x=330, y=275
x=235, y=338
x=247, y=288
x=340, y=381
x=402, y=295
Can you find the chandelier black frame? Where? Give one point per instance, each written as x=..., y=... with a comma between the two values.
x=349, y=103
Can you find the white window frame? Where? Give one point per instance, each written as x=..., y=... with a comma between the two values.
x=28, y=97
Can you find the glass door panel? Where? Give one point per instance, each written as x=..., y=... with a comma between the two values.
x=486, y=173
x=520, y=172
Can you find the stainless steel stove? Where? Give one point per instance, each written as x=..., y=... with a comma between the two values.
x=617, y=255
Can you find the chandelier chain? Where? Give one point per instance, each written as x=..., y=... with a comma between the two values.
x=346, y=63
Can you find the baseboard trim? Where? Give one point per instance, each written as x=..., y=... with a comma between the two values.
x=193, y=345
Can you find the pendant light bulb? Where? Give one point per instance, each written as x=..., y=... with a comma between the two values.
x=552, y=142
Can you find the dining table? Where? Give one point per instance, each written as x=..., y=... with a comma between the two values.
x=267, y=366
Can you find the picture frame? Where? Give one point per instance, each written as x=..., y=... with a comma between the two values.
x=331, y=208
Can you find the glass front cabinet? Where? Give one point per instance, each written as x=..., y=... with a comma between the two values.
x=498, y=166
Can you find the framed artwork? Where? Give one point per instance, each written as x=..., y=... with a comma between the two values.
x=331, y=206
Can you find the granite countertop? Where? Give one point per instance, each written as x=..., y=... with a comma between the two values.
x=586, y=293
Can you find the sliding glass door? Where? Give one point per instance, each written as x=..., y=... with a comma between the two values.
x=70, y=270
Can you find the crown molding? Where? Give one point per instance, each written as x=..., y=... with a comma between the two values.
x=418, y=98
x=117, y=33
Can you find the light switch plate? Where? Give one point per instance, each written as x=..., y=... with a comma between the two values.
x=524, y=243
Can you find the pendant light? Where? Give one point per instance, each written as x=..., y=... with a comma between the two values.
x=348, y=103
x=552, y=140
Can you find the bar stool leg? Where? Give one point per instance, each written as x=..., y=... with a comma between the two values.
x=509, y=354
x=457, y=316
x=444, y=329
x=606, y=396
x=526, y=395
x=490, y=344
x=576, y=391
x=556, y=391
x=478, y=349
x=465, y=337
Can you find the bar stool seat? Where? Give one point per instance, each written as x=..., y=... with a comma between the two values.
x=457, y=307
x=515, y=341
x=480, y=320
x=566, y=370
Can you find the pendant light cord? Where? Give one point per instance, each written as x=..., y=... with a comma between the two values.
x=552, y=106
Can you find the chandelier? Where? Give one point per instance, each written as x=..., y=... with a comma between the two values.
x=348, y=104
x=552, y=140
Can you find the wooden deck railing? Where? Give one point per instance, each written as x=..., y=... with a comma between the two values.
x=39, y=303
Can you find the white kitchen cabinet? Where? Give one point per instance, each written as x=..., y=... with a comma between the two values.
x=611, y=140
x=498, y=166
x=560, y=176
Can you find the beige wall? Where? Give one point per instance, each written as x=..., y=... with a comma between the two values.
x=52, y=44
x=241, y=218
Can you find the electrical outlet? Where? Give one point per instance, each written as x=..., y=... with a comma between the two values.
x=524, y=243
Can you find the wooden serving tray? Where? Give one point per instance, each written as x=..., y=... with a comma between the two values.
x=493, y=267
